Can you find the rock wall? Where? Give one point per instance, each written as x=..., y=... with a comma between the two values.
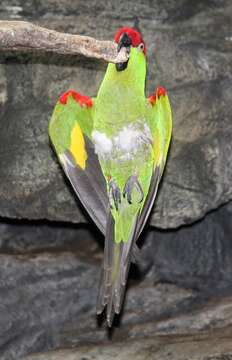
x=186, y=53
x=50, y=261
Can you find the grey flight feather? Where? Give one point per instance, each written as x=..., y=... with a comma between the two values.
x=89, y=185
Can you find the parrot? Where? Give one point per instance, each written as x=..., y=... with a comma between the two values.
x=113, y=149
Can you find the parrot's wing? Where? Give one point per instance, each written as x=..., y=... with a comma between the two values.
x=161, y=124
x=69, y=130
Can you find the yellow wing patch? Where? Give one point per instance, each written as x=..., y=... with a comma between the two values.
x=156, y=148
x=77, y=146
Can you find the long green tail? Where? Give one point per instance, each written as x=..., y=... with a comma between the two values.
x=116, y=265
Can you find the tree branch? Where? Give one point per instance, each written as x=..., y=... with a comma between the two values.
x=22, y=35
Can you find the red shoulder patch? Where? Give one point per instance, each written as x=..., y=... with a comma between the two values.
x=81, y=99
x=160, y=91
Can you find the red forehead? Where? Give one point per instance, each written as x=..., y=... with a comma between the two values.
x=134, y=35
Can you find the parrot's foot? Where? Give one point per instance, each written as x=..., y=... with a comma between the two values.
x=132, y=183
x=114, y=194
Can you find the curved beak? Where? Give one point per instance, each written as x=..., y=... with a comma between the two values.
x=124, y=44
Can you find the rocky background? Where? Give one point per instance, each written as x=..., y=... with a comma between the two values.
x=179, y=298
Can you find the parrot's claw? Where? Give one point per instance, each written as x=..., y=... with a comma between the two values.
x=132, y=183
x=114, y=194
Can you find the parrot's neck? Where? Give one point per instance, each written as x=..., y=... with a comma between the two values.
x=121, y=97
x=126, y=82
x=120, y=129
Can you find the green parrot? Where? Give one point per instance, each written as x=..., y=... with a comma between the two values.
x=113, y=149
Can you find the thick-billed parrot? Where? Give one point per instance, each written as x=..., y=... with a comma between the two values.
x=113, y=149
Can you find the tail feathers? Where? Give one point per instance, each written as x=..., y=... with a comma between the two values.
x=116, y=265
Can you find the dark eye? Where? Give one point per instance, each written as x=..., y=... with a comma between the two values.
x=141, y=46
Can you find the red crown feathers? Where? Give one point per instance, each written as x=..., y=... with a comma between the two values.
x=135, y=36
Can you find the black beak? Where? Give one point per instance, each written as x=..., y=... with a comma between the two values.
x=124, y=41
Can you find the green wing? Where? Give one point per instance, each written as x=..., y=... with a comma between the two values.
x=70, y=132
x=160, y=121
x=163, y=126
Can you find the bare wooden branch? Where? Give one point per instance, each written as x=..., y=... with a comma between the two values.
x=22, y=35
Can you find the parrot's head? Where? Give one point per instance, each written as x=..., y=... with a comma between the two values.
x=132, y=41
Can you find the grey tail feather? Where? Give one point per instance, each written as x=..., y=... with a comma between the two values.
x=116, y=265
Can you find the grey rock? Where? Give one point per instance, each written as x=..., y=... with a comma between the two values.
x=3, y=86
x=179, y=299
x=189, y=53
x=27, y=237
x=196, y=256
x=49, y=278
x=158, y=348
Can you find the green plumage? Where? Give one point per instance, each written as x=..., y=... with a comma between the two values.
x=120, y=102
x=129, y=140
x=60, y=130
x=120, y=99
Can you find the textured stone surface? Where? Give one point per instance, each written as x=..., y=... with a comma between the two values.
x=159, y=348
x=49, y=279
x=179, y=298
x=189, y=53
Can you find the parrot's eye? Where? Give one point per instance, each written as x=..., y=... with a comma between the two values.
x=141, y=46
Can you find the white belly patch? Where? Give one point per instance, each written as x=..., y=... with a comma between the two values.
x=125, y=144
